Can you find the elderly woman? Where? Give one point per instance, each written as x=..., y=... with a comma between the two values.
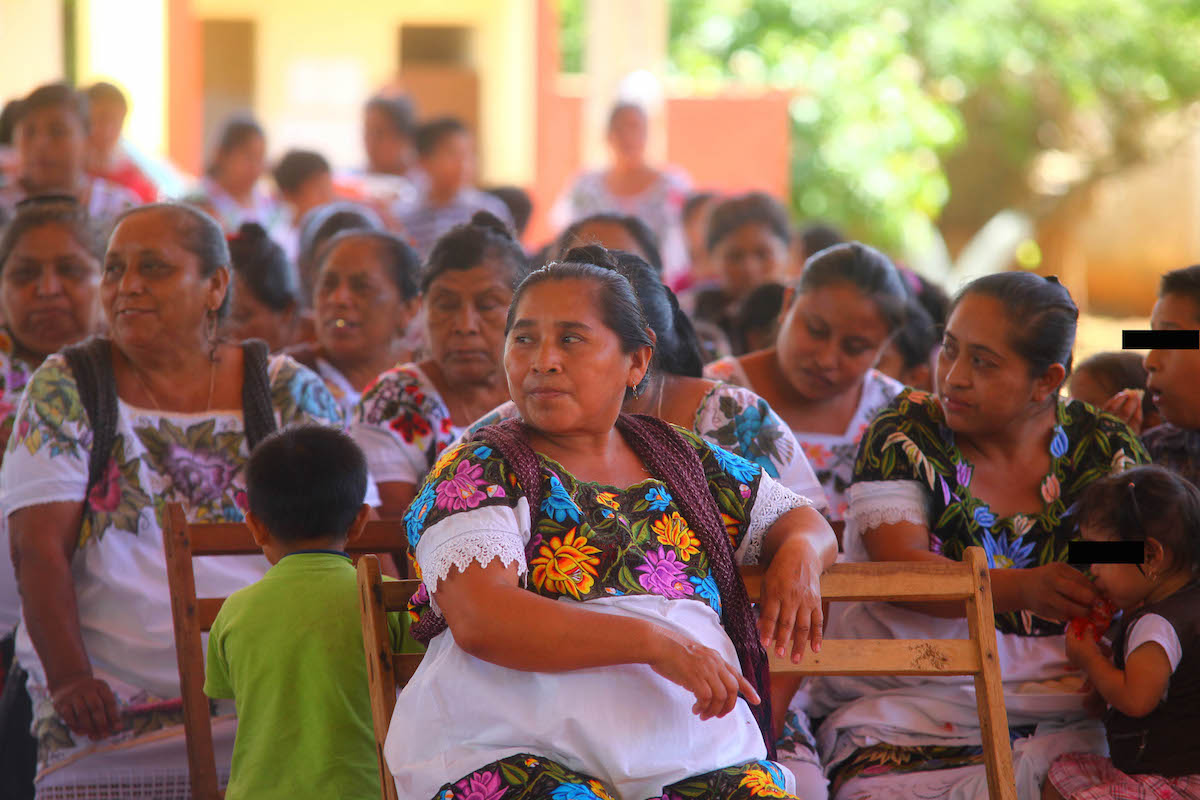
x=412, y=412
x=366, y=295
x=590, y=634
x=50, y=134
x=108, y=433
x=49, y=287
x=997, y=459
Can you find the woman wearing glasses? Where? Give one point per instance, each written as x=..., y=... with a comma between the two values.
x=994, y=458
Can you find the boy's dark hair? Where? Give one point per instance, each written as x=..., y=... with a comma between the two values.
x=296, y=168
x=816, y=236
x=306, y=482
x=519, y=204
x=1183, y=282
x=1143, y=502
x=432, y=133
x=399, y=112
x=105, y=92
x=1116, y=371
x=54, y=95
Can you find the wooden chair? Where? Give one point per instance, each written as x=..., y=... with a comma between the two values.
x=968, y=582
x=387, y=671
x=192, y=616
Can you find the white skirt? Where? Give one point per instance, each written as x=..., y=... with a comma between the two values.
x=623, y=724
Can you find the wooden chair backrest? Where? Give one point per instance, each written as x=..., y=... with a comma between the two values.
x=966, y=581
x=387, y=671
x=192, y=616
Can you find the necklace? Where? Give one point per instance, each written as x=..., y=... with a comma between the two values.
x=212, y=376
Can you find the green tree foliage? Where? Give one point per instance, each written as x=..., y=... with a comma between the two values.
x=918, y=111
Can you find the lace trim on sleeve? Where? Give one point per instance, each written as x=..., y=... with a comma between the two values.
x=772, y=502
x=480, y=546
x=876, y=503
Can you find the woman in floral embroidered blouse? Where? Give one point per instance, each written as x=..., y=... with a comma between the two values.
x=588, y=652
x=837, y=321
x=997, y=459
x=97, y=639
x=411, y=412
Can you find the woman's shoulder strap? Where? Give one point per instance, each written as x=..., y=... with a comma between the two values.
x=258, y=412
x=91, y=363
x=511, y=440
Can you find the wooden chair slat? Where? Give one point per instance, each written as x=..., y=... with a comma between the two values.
x=234, y=539
x=878, y=581
x=404, y=666
x=207, y=609
x=884, y=656
x=383, y=667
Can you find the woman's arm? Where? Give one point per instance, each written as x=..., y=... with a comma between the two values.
x=495, y=620
x=43, y=541
x=798, y=547
x=1134, y=691
x=1053, y=591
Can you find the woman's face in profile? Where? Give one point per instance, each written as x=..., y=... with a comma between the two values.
x=566, y=369
x=250, y=318
x=49, y=290
x=830, y=337
x=983, y=384
x=359, y=309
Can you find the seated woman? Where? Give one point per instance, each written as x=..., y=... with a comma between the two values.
x=85, y=483
x=49, y=288
x=366, y=295
x=596, y=634
x=1173, y=385
x=265, y=294
x=996, y=459
x=817, y=376
x=410, y=414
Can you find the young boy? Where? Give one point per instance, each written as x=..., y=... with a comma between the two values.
x=446, y=152
x=305, y=182
x=1174, y=385
x=288, y=649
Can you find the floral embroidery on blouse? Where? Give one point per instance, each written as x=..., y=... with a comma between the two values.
x=909, y=440
x=592, y=541
x=404, y=405
x=14, y=374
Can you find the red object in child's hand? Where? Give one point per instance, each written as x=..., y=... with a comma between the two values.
x=1099, y=619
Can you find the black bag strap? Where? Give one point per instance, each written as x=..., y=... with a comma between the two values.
x=258, y=412
x=91, y=362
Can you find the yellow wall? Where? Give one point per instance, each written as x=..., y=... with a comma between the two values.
x=30, y=46
x=317, y=62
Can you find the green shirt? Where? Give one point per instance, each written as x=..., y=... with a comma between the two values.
x=289, y=650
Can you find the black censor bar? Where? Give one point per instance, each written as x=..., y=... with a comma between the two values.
x=1173, y=339
x=1106, y=552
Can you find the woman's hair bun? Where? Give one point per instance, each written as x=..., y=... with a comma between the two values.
x=486, y=219
x=593, y=254
x=251, y=232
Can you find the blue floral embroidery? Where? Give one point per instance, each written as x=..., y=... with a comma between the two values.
x=558, y=504
x=1059, y=444
x=574, y=791
x=418, y=509
x=736, y=466
x=483, y=452
x=311, y=397
x=1003, y=552
x=659, y=498
x=706, y=587
x=776, y=774
x=748, y=427
x=984, y=517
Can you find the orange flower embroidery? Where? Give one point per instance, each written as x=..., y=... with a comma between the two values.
x=673, y=531
x=608, y=499
x=567, y=565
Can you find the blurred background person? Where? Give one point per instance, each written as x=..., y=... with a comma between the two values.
x=230, y=189
x=106, y=157
x=265, y=292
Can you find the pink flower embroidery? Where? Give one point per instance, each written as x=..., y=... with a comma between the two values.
x=466, y=489
x=480, y=786
x=1050, y=489
x=106, y=494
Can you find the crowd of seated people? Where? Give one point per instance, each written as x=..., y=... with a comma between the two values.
x=582, y=445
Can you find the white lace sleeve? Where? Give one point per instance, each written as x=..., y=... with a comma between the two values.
x=480, y=536
x=875, y=503
x=772, y=502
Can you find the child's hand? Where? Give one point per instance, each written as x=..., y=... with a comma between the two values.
x=1082, y=645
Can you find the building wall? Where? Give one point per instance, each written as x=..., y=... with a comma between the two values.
x=31, y=51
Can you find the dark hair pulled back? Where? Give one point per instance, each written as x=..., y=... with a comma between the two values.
x=756, y=207
x=1040, y=313
x=263, y=267
x=638, y=230
x=676, y=346
x=615, y=297
x=466, y=246
x=401, y=263
x=864, y=268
